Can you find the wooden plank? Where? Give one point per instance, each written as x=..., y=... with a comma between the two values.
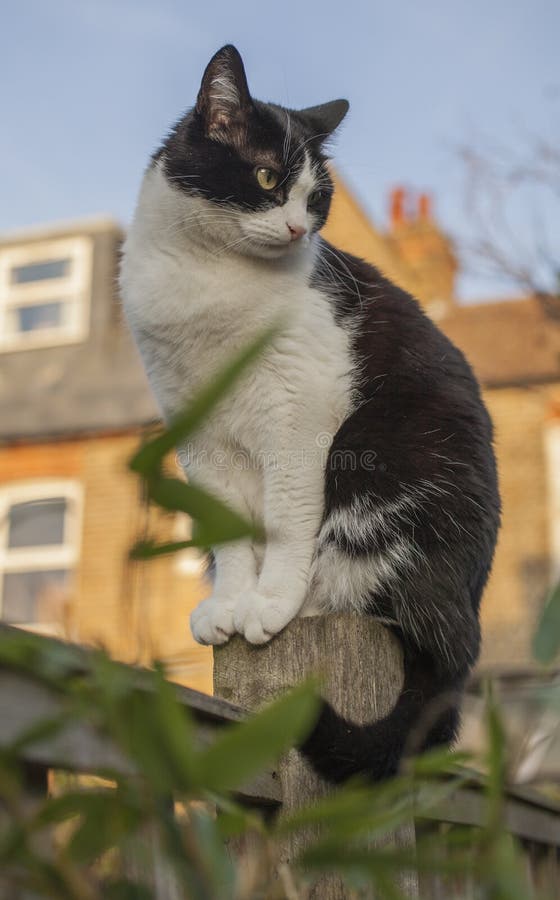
x=78, y=660
x=79, y=747
x=526, y=820
x=361, y=665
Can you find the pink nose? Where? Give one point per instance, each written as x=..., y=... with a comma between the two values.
x=296, y=232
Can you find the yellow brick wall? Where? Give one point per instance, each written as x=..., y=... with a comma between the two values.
x=520, y=574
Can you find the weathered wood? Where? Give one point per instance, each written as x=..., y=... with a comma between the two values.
x=79, y=747
x=361, y=666
x=523, y=819
x=79, y=660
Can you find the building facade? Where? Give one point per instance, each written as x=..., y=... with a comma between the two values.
x=75, y=402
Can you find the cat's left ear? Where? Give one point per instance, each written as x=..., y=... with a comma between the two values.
x=325, y=118
x=224, y=99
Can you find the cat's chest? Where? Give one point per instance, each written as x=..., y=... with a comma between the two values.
x=211, y=314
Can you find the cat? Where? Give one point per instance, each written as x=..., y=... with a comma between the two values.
x=360, y=439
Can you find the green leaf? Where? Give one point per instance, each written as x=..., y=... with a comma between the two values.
x=216, y=523
x=157, y=736
x=106, y=819
x=149, y=458
x=439, y=762
x=496, y=762
x=149, y=549
x=245, y=749
x=217, y=862
x=176, y=732
x=234, y=819
x=546, y=641
x=123, y=889
x=368, y=811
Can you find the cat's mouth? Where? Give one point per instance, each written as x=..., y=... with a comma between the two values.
x=265, y=247
x=276, y=246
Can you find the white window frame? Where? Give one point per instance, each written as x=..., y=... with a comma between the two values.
x=552, y=442
x=74, y=289
x=189, y=562
x=40, y=558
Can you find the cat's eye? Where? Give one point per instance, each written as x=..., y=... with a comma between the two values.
x=267, y=178
x=314, y=198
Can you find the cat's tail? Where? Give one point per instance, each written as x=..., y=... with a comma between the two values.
x=425, y=715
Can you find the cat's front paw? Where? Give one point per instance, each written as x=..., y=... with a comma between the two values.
x=212, y=621
x=259, y=617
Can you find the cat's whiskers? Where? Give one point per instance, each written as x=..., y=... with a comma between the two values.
x=232, y=244
x=287, y=139
x=350, y=275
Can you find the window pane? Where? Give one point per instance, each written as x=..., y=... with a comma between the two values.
x=40, y=271
x=38, y=316
x=34, y=596
x=37, y=523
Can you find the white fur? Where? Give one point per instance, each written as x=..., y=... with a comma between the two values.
x=198, y=283
x=223, y=90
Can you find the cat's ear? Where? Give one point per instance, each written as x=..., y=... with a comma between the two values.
x=325, y=118
x=224, y=99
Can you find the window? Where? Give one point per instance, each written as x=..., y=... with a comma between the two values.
x=191, y=561
x=44, y=293
x=553, y=460
x=40, y=524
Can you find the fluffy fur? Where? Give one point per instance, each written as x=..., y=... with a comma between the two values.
x=360, y=439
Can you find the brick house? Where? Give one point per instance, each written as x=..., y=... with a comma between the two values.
x=75, y=402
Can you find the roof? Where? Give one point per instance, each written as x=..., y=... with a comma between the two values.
x=508, y=342
x=63, y=227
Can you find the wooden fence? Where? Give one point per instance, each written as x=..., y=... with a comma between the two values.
x=24, y=702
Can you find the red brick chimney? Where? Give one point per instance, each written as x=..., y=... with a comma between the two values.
x=397, y=213
x=423, y=247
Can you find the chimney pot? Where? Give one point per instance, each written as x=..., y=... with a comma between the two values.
x=425, y=208
x=397, y=207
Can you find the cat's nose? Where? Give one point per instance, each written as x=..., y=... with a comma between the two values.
x=296, y=232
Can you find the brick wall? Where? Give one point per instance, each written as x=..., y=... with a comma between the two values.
x=521, y=571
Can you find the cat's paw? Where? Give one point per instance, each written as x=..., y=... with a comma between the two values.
x=259, y=617
x=212, y=621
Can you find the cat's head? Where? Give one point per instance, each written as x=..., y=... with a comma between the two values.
x=253, y=175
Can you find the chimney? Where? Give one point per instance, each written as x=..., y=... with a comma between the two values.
x=424, y=208
x=425, y=251
x=397, y=201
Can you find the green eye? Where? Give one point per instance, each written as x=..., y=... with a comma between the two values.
x=314, y=197
x=267, y=178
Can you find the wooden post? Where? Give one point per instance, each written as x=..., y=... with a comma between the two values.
x=361, y=666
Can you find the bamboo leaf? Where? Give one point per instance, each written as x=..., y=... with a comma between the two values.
x=149, y=458
x=546, y=641
x=216, y=523
x=149, y=549
x=247, y=748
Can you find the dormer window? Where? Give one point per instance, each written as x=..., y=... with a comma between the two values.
x=45, y=293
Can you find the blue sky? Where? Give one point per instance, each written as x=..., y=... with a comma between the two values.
x=89, y=87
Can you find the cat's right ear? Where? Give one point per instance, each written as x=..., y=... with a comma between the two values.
x=325, y=118
x=224, y=99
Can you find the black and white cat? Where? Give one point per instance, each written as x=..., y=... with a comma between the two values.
x=360, y=438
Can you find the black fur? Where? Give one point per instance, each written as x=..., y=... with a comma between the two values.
x=420, y=430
